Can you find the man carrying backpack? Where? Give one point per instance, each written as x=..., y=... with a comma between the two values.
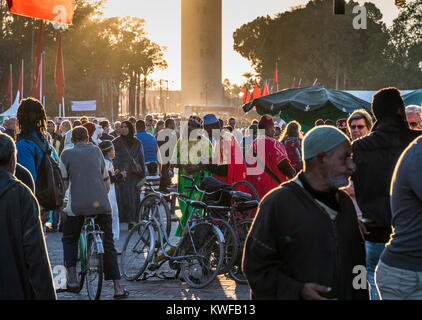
x=34, y=153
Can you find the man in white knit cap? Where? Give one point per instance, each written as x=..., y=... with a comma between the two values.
x=305, y=240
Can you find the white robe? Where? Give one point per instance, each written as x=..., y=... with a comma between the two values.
x=113, y=203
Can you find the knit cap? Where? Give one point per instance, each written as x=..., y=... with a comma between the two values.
x=321, y=139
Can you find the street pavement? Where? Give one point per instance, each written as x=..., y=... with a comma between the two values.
x=153, y=288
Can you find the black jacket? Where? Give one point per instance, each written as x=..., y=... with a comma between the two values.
x=25, y=271
x=293, y=241
x=375, y=157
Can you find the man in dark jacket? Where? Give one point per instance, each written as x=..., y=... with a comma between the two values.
x=305, y=241
x=375, y=157
x=25, y=271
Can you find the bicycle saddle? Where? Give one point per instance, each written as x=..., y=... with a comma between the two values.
x=237, y=195
x=211, y=184
x=196, y=204
x=247, y=205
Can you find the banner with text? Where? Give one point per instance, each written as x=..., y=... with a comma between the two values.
x=90, y=105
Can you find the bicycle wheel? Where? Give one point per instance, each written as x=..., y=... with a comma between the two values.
x=152, y=204
x=137, y=250
x=242, y=231
x=231, y=244
x=247, y=187
x=205, y=244
x=81, y=263
x=94, y=269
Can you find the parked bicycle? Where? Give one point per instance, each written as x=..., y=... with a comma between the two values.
x=230, y=211
x=198, y=255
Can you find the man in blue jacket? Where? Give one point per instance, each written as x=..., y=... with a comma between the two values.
x=149, y=142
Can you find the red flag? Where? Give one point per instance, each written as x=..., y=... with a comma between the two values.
x=9, y=89
x=60, y=11
x=43, y=79
x=59, y=72
x=275, y=85
x=256, y=93
x=293, y=83
x=246, y=95
x=35, y=92
x=265, y=89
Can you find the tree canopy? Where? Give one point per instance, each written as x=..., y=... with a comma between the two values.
x=311, y=42
x=97, y=52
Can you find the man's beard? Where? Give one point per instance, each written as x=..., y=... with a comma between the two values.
x=337, y=182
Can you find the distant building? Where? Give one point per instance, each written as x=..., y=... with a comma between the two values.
x=202, y=52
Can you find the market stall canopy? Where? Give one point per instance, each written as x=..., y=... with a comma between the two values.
x=308, y=104
x=414, y=97
x=368, y=94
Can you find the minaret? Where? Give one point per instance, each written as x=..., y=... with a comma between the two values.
x=202, y=52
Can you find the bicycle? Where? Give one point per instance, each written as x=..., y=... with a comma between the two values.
x=198, y=256
x=232, y=219
x=90, y=258
x=156, y=203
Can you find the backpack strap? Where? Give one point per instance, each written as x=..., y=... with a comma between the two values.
x=39, y=144
x=266, y=169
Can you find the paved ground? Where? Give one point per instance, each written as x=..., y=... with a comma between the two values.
x=153, y=288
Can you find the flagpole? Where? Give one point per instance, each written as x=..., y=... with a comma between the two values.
x=41, y=58
x=64, y=115
x=21, y=97
x=11, y=85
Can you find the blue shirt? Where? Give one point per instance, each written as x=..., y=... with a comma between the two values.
x=150, y=145
x=29, y=152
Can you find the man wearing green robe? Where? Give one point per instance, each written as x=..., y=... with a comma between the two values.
x=191, y=150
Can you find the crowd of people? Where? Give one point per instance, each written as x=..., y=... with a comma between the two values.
x=342, y=195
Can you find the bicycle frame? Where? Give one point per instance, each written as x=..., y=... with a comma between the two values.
x=186, y=231
x=91, y=228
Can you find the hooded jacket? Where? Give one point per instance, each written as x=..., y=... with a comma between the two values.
x=25, y=271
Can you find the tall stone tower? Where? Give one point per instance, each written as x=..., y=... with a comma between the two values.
x=202, y=52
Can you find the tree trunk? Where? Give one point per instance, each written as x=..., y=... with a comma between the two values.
x=144, y=98
x=344, y=78
x=337, y=74
x=132, y=87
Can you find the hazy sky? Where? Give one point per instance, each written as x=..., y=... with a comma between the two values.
x=163, y=26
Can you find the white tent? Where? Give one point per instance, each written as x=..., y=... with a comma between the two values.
x=367, y=95
x=13, y=110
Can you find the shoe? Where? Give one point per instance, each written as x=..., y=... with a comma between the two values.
x=47, y=229
x=119, y=253
x=122, y=296
x=72, y=281
x=130, y=226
